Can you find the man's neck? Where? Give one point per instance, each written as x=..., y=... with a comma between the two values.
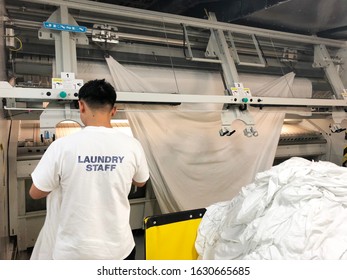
x=99, y=122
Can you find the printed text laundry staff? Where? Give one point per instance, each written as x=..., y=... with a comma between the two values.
x=100, y=163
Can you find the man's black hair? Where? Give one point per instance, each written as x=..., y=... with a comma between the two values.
x=98, y=94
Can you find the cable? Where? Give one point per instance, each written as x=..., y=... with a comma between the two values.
x=184, y=41
x=170, y=56
x=277, y=57
x=20, y=44
x=261, y=49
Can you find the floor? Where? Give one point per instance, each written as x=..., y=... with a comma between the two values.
x=138, y=236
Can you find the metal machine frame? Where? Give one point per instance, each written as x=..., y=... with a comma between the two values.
x=236, y=97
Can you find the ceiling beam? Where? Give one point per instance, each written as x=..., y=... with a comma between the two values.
x=236, y=10
x=180, y=6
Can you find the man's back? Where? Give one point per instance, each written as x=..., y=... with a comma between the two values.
x=95, y=169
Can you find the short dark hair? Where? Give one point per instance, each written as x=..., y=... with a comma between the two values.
x=97, y=94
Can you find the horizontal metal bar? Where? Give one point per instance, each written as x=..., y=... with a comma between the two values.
x=35, y=109
x=40, y=94
x=204, y=60
x=226, y=99
x=110, y=9
x=252, y=64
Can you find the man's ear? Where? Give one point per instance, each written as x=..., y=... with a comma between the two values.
x=81, y=106
x=113, y=111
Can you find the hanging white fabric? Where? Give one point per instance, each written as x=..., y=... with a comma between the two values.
x=191, y=165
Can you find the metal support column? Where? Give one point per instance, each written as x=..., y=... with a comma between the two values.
x=322, y=59
x=218, y=46
x=65, y=42
x=66, y=61
x=3, y=75
x=65, y=47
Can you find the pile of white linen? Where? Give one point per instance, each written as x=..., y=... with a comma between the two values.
x=295, y=210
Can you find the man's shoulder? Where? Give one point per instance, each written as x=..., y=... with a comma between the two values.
x=68, y=138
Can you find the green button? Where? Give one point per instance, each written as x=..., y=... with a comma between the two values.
x=245, y=99
x=63, y=94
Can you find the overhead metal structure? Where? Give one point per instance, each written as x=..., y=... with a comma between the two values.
x=211, y=40
x=145, y=15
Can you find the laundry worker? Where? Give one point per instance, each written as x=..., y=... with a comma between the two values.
x=92, y=210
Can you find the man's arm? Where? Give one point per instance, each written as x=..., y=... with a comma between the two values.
x=35, y=193
x=139, y=184
x=142, y=173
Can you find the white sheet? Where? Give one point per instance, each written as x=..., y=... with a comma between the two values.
x=191, y=166
x=295, y=210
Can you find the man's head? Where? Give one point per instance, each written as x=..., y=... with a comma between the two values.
x=96, y=100
x=98, y=94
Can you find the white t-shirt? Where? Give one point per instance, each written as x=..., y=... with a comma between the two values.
x=94, y=169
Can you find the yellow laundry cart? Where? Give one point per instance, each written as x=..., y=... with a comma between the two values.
x=172, y=236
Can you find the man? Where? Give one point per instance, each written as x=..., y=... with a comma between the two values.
x=93, y=171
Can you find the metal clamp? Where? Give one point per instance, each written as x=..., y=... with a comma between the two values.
x=250, y=131
x=336, y=128
x=232, y=113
